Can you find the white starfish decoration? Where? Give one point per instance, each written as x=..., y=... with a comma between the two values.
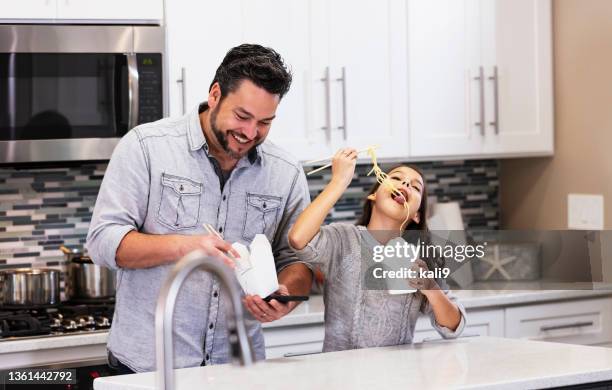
x=497, y=264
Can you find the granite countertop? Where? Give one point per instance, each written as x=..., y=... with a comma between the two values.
x=311, y=312
x=469, y=363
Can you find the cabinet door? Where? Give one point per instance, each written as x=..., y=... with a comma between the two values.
x=587, y=322
x=479, y=323
x=293, y=340
x=519, y=112
x=197, y=47
x=367, y=49
x=29, y=9
x=195, y=50
x=112, y=10
x=300, y=116
x=443, y=62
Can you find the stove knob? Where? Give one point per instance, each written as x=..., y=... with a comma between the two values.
x=104, y=322
x=91, y=321
x=71, y=325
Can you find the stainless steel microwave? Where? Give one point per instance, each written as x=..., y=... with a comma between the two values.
x=71, y=92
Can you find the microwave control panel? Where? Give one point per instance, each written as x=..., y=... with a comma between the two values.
x=150, y=87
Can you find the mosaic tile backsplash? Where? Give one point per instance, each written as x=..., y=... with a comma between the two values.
x=41, y=209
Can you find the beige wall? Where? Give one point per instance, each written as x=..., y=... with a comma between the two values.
x=534, y=191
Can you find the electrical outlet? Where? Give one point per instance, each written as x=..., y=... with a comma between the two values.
x=585, y=212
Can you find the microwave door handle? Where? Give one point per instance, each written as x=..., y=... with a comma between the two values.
x=133, y=100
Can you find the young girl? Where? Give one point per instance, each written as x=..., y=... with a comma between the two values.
x=356, y=317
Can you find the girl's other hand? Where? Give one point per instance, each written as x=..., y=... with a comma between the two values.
x=343, y=166
x=423, y=284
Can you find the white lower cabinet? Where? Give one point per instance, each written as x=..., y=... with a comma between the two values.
x=294, y=340
x=578, y=321
x=587, y=322
x=479, y=323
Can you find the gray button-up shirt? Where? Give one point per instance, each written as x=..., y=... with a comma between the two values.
x=161, y=181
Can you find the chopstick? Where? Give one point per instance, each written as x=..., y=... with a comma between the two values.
x=212, y=230
x=332, y=156
x=319, y=169
x=329, y=158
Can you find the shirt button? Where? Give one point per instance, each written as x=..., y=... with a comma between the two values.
x=264, y=205
x=224, y=197
x=210, y=326
x=207, y=357
x=215, y=294
x=220, y=230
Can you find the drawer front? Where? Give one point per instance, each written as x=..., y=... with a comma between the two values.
x=289, y=335
x=291, y=340
x=585, y=322
x=479, y=323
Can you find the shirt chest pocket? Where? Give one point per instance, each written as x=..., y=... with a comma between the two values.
x=179, y=205
x=261, y=215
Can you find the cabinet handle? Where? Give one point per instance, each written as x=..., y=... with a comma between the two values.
x=480, y=80
x=183, y=96
x=291, y=354
x=133, y=98
x=495, y=79
x=343, y=81
x=566, y=326
x=327, y=126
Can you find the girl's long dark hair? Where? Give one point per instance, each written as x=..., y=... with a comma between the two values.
x=366, y=214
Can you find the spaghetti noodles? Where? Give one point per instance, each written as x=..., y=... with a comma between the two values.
x=386, y=183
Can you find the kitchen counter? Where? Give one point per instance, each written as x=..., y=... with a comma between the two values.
x=471, y=363
x=520, y=293
x=312, y=313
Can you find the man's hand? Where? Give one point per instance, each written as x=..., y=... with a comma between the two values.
x=269, y=311
x=211, y=245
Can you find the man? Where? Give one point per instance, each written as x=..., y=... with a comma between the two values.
x=166, y=179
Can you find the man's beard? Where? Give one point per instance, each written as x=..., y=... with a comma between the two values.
x=222, y=137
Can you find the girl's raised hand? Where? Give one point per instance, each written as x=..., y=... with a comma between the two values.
x=343, y=166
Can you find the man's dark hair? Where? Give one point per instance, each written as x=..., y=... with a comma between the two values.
x=262, y=65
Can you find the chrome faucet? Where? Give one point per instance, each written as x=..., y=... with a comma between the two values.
x=240, y=345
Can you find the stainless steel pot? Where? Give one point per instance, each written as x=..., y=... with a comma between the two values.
x=87, y=280
x=28, y=287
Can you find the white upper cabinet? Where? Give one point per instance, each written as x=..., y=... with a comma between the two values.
x=112, y=10
x=297, y=127
x=319, y=40
x=28, y=9
x=517, y=44
x=82, y=11
x=196, y=47
x=443, y=63
x=197, y=39
x=367, y=62
x=480, y=78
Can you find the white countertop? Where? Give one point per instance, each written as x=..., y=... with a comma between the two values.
x=494, y=294
x=311, y=312
x=477, y=362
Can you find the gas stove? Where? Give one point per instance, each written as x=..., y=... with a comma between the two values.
x=68, y=318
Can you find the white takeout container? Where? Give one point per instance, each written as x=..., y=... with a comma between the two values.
x=255, y=269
